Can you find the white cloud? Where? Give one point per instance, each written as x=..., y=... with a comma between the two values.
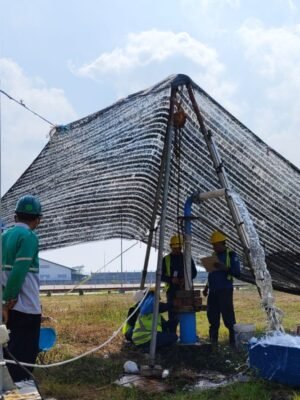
x=291, y=4
x=24, y=134
x=274, y=53
x=150, y=56
x=147, y=47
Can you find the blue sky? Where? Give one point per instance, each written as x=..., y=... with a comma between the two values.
x=67, y=59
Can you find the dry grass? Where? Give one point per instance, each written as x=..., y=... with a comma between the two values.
x=83, y=322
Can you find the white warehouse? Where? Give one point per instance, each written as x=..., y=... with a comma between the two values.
x=57, y=273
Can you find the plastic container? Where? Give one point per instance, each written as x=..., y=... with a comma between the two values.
x=243, y=333
x=47, y=339
x=276, y=363
x=187, y=328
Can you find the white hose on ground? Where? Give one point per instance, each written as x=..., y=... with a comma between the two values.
x=115, y=333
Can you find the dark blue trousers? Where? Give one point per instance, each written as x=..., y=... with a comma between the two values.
x=173, y=316
x=220, y=302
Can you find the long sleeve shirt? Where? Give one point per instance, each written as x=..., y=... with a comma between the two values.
x=20, y=268
x=148, y=305
x=223, y=279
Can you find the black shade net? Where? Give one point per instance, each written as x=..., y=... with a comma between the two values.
x=97, y=179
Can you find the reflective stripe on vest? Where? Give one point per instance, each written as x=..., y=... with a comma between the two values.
x=143, y=328
x=127, y=326
x=168, y=270
x=227, y=263
x=7, y=267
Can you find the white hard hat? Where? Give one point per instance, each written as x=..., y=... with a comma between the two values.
x=138, y=295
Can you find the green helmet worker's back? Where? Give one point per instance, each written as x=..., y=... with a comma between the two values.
x=29, y=205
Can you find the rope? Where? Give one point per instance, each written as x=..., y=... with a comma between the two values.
x=178, y=125
x=21, y=103
x=177, y=155
x=87, y=352
x=177, y=152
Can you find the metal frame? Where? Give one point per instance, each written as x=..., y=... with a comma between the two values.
x=224, y=191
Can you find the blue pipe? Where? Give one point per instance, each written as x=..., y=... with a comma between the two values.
x=187, y=320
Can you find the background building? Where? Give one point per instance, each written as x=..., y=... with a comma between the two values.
x=53, y=273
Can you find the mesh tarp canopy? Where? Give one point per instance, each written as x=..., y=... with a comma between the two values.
x=97, y=179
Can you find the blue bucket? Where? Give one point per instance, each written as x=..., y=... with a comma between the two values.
x=187, y=328
x=47, y=339
x=276, y=363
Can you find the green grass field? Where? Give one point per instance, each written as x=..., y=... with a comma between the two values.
x=83, y=322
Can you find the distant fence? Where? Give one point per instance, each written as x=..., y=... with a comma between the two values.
x=117, y=278
x=111, y=287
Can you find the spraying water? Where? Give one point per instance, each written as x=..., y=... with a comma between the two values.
x=262, y=276
x=277, y=339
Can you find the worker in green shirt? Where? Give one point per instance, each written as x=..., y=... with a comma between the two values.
x=20, y=281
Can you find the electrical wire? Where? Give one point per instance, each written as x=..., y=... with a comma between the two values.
x=24, y=369
x=21, y=103
x=100, y=269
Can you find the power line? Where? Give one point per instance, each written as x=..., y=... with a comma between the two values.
x=21, y=103
x=101, y=268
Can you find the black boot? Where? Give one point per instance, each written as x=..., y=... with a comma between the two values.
x=231, y=338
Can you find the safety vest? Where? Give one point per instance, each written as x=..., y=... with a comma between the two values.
x=168, y=270
x=143, y=328
x=125, y=328
x=227, y=263
x=131, y=322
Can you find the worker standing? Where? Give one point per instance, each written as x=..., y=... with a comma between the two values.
x=173, y=276
x=20, y=280
x=220, y=288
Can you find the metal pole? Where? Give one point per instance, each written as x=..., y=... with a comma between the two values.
x=210, y=195
x=121, y=249
x=154, y=214
x=169, y=135
x=188, y=284
x=212, y=147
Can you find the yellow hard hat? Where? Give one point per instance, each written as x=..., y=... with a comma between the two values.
x=217, y=237
x=176, y=241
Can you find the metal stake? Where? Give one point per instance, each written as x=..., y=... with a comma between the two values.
x=169, y=135
x=154, y=212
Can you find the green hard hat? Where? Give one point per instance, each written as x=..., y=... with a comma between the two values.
x=29, y=205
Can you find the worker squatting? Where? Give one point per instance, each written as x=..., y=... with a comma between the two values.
x=218, y=290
